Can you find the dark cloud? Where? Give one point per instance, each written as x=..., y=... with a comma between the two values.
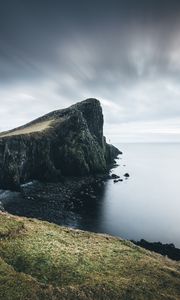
x=126, y=53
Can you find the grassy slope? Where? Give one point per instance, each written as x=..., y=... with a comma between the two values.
x=36, y=127
x=39, y=260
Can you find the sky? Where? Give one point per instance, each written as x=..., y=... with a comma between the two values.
x=125, y=53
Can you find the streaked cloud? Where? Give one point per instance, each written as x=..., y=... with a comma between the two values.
x=125, y=53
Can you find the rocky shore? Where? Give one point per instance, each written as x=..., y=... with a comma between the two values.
x=57, y=202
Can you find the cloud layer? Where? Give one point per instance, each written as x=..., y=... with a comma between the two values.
x=125, y=53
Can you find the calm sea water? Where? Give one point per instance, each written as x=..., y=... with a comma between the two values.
x=147, y=205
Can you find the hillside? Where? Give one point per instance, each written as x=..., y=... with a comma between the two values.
x=39, y=260
x=66, y=142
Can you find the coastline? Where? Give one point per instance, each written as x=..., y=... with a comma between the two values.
x=78, y=189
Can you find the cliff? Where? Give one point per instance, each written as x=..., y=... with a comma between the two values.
x=39, y=260
x=62, y=143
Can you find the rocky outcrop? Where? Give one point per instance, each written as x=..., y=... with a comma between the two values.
x=67, y=142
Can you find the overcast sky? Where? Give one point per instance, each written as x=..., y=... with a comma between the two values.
x=54, y=53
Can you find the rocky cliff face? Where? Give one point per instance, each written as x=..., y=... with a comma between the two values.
x=62, y=143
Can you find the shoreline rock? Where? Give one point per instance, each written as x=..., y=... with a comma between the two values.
x=165, y=249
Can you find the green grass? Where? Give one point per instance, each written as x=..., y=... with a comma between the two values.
x=39, y=260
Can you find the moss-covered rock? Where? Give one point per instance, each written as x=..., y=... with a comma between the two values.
x=39, y=260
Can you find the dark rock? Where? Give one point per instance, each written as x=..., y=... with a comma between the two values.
x=71, y=143
x=111, y=152
x=114, y=176
x=117, y=180
x=126, y=175
x=165, y=249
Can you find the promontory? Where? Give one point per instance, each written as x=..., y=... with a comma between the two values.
x=66, y=142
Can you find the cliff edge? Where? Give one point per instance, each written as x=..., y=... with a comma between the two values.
x=66, y=142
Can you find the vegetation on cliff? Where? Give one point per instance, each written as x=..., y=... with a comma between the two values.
x=39, y=260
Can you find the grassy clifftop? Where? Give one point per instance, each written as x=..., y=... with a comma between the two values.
x=39, y=260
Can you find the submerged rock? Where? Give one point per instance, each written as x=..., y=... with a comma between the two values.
x=62, y=143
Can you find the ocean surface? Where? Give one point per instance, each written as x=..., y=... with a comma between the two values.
x=144, y=206
x=147, y=205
